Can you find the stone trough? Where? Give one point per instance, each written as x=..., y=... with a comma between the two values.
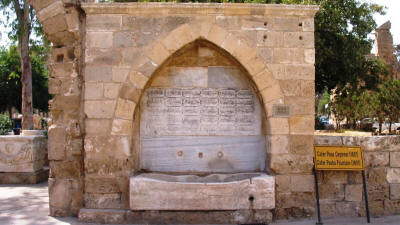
x=154, y=191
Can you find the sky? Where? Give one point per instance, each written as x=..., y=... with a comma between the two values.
x=392, y=14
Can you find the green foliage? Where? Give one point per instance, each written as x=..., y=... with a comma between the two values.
x=5, y=124
x=322, y=101
x=10, y=74
x=341, y=43
x=389, y=97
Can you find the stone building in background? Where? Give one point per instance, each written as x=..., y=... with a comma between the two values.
x=385, y=49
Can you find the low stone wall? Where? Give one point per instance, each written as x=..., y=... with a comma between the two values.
x=341, y=192
x=22, y=158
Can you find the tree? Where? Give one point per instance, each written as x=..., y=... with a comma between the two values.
x=341, y=43
x=10, y=82
x=389, y=97
x=22, y=28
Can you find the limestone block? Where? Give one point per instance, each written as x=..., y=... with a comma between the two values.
x=266, y=54
x=309, y=56
x=230, y=43
x=278, y=71
x=60, y=102
x=256, y=23
x=278, y=144
x=60, y=193
x=347, y=208
x=393, y=175
x=286, y=24
x=103, y=216
x=97, y=73
x=301, y=144
x=111, y=90
x=54, y=86
x=146, y=68
x=301, y=125
x=95, y=127
x=75, y=146
x=62, y=70
x=72, y=19
x=104, y=185
x=282, y=183
x=121, y=127
x=103, y=56
x=290, y=163
x=277, y=126
x=307, y=23
x=100, y=109
x=57, y=142
x=131, y=56
x=299, y=72
x=300, y=200
x=328, y=140
x=125, y=109
x=376, y=159
x=217, y=35
x=182, y=193
x=229, y=22
x=270, y=39
x=66, y=169
x=102, y=201
x=299, y=39
x=271, y=93
x=96, y=39
x=158, y=53
x=264, y=80
x=331, y=191
x=244, y=53
x=394, y=191
x=171, y=43
x=220, y=77
x=119, y=74
x=300, y=105
x=290, y=87
x=351, y=140
x=142, y=23
x=51, y=10
x=183, y=34
x=378, y=191
x=288, y=55
x=353, y=192
x=302, y=183
x=107, y=148
x=124, y=39
x=394, y=159
x=307, y=88
x=138, y=79
x=103, y=22
x=130, y=92
x=254, y=64
x=55, y=24
x=93, y=91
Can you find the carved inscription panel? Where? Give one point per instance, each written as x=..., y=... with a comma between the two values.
x=199, y=111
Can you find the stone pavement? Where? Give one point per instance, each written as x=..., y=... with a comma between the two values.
x=29, y=204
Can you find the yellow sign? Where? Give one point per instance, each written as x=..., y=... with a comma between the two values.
x=338, y=158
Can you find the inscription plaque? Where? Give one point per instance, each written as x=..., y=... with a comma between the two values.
x=199, y=111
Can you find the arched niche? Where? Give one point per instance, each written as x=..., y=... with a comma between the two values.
x=200, y=113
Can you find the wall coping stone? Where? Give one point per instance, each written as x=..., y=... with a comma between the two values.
x=200, y=8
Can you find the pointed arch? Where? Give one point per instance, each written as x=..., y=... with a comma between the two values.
x=158, y=53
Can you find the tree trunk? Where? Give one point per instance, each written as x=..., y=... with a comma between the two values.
x=380, y=126
x=26, y=78
x=390, y=126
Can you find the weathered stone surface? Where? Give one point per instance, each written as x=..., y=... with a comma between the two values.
x=216, y=194
x=105, y=216
x=24, y=177
x=353, y=192
x=376, y=159
x=302, y=183
x=394, y=191
x=57, y=141
x=394, y=159
x=99, y=109
x=393, y=175
x=22, y=153
x=302, y=124
x=290, y=163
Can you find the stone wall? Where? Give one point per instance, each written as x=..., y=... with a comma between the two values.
x=341, y=192
x=385, y=49
x=105, y=56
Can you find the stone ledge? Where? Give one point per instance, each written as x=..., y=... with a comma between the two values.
x=107, y=216
x=24, y=178
x=200, y=8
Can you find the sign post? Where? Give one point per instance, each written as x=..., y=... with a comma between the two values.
x=347, y=158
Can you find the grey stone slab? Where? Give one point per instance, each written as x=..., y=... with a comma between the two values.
x=203, y=153
x=168, y=192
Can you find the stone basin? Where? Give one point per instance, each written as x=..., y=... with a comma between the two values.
x=155, y=191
